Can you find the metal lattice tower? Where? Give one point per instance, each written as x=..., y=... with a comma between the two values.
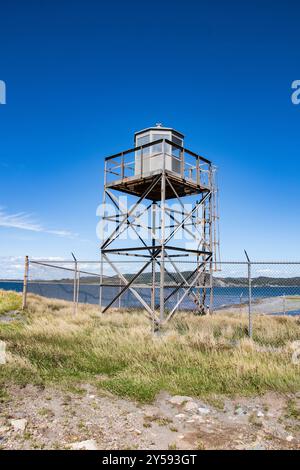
x=156, y=174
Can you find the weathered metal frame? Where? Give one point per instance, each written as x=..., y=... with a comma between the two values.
x=158, y=251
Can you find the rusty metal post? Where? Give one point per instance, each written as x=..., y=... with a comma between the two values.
x=101, y=285
x=75, y=288
x=78, y=289
x=250, y=332
x=120, y=289
x=25, y=283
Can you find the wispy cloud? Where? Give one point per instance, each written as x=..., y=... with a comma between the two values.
x=24, y=221
x=53, y=268
x=12, y=267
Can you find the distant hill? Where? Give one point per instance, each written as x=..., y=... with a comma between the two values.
x=145, y=278
x=257, y=281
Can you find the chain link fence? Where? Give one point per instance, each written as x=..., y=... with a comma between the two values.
x=239, y=287
x=269, y=287
x=265, y=287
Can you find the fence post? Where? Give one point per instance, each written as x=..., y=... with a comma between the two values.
x=250, y=329
x=75, y=288
x=78, y=289
x=120, y=290
x=101, y=285
x=25, y=282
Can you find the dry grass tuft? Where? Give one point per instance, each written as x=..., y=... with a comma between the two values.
x=9, y=300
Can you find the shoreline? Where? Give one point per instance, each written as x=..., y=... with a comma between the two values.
x=268, y=306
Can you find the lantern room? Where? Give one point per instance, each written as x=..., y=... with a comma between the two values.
x=156, y=157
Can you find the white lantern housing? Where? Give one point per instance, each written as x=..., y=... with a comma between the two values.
x=155, y=158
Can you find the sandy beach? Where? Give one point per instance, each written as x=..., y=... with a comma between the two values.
x=270, y=305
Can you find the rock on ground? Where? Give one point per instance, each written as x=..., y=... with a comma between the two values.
x=18, y=424
x=179, y=400
x=90, y=444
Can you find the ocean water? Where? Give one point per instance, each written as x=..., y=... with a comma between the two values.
x=12, y=285
x=291, y=313
x=89, y=293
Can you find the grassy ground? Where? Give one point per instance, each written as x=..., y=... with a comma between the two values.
x=9, y=300
x=196, y=356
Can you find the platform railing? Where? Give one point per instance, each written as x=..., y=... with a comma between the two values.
x=143, y=160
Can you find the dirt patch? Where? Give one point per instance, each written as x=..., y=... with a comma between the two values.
x=56, y=419
x=12, y=316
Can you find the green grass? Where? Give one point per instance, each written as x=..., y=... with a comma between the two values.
x=292, y=410
x=197, y=356
x=9, y=300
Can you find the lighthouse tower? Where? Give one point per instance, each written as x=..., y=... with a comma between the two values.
x=172, y=211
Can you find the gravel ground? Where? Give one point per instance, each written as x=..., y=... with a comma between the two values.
x=49, y=418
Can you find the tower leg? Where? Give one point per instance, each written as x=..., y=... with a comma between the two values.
x=153, y=210
x=101, y=285
x=101, y=255
x=162, y=255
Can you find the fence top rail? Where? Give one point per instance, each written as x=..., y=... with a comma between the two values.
x=64, y=261
x=259, y=262
x=68, y=261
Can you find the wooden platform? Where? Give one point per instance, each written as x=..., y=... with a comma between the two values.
x=137, y=185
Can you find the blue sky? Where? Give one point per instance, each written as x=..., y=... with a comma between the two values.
x=82, y=76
